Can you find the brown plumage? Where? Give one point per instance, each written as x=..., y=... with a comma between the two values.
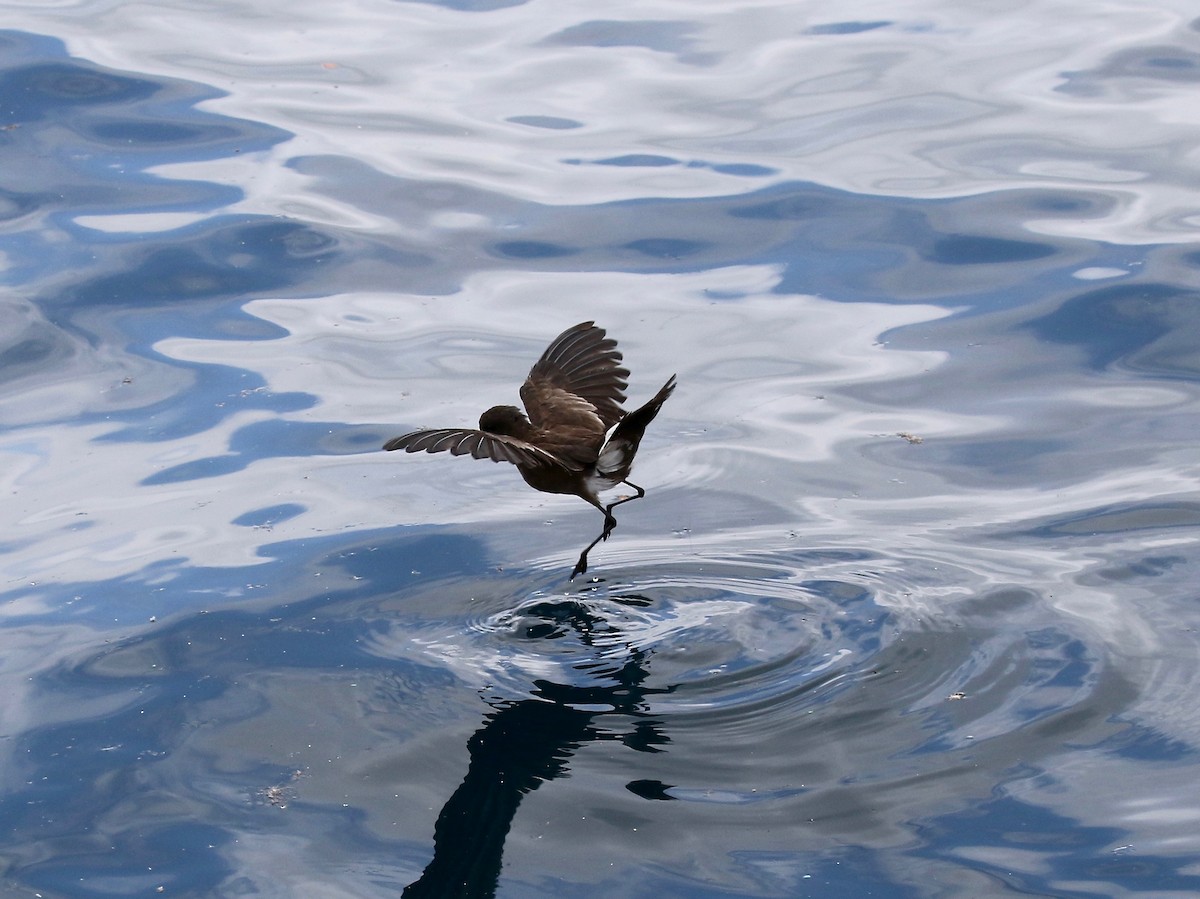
x=573, y=397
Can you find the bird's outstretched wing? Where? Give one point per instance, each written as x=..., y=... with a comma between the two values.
x=578, y=380
x=480, y=445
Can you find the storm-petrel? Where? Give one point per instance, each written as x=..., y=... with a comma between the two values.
x=573, y=397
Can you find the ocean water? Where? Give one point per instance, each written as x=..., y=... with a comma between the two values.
x=910, y=606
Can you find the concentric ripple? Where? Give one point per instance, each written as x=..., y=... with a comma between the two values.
x=776, y=655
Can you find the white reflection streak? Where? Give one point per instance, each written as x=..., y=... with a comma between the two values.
x=867, y=112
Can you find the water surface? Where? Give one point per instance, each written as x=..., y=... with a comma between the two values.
x=909, y=608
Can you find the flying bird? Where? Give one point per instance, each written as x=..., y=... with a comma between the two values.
x=572, y=400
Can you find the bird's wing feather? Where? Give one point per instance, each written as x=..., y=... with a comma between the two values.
x=480, y=445
x=580, y=369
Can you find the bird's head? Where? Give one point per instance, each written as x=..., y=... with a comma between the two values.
x=507, y=420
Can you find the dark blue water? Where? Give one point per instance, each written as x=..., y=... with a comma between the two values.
x=909, y=608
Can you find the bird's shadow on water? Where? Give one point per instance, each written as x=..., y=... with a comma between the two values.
x=203, y=686
x=527, y=742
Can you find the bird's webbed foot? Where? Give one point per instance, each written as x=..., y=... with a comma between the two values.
x=580, y=566
x=610, y=524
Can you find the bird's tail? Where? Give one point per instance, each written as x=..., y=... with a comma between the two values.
x=642, y=416
x=618, y=452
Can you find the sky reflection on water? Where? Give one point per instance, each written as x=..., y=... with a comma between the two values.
x=909, y=608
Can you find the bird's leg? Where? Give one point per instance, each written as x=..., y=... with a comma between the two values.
x=608, y=515
x=610, y=524
x=610, y=520
x=581, y=565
